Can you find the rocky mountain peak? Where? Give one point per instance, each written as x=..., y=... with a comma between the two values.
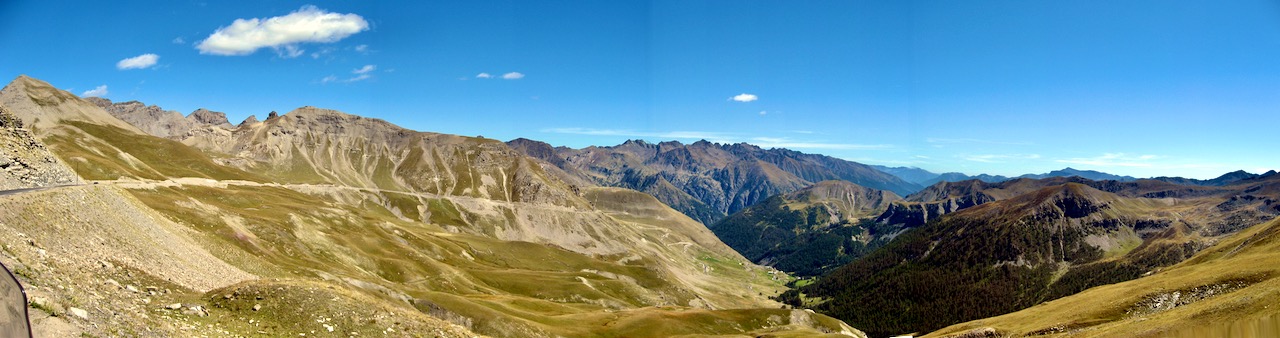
x=248, y=121
x=210, y=118
x=39, y=92
x=42, y=106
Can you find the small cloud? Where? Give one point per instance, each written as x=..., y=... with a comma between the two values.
x=484, y=76
x=512, y=76
x=1113, y=160
x=179, y=40
x=362, y=73
x=360, y=77
x=763, y=113
x=282, y=33
x=322, y=52
x=971, y=141
x=783, y=142
x=96, y=92
x=361, y=48
x=289, y=52
x=138, y=62
x=1000, y=158
x=744, y=97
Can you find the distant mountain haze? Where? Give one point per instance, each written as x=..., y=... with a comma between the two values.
x=926, y=178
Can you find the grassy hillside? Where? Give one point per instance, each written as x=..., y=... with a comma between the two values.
x=810, y=231
x=1006, y=255
x=1229, y=289
x=103, y=152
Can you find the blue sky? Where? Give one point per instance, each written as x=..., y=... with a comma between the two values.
x=1142, y=88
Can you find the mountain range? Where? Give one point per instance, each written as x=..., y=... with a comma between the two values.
x=705, y=180
x=926, y=178
x=208, y=228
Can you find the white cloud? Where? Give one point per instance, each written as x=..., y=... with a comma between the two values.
x=1000, y=158
x=282, y=33
x=96, y=92
x=322, y=52
x=1113, y=160
x=744, y=97
x=138, y=62
x=362, y=73
x=763, y=113
x=512, y=76
x=783, y=142
x=971, y=140
x=179, y=40
x=484, y=76
x=362, y=48
x=289, y=51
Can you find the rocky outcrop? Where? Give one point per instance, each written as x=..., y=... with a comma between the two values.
x=163, y=123
x=151, y=119
x=24, y=161
x=248, y=121
x=210, y=118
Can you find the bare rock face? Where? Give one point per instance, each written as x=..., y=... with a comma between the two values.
x=249, y=121
x=150, y=119
x=210, y=118
x=24, y=161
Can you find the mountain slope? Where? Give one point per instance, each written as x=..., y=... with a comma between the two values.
x=25, y=162
x=378, y=229
x=1015, y=252
x=704, y=180
x=1226, y=290
x=810, y=230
